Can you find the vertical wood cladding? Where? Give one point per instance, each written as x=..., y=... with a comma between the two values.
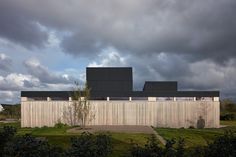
x=174, y=114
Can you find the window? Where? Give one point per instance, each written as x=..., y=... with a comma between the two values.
x=119, y=98
x=165, y=98
x=204, y=98
x=184, y=98
x=37, y=98
x=59, y=98
x=139, y=98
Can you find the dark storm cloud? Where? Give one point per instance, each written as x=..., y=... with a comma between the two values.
x=201, y=28
x=18, y=27
x=192, y=42
x=81, y=42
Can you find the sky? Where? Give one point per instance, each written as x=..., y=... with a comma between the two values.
x=47, y=44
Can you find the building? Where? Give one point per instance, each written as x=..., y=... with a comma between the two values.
x=115, y=103
x=1, y=108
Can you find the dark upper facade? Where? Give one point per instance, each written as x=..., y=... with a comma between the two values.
x=152, y=86
x=118, y=82
x=110, y=79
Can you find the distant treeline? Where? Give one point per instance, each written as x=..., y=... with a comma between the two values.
x=227, y=110
x=10, y=111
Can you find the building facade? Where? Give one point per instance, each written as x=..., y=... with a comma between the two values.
x=114, y=102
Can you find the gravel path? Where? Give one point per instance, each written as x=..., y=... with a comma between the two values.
x=120, y=129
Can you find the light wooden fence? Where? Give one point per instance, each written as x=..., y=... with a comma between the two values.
x=173, y=114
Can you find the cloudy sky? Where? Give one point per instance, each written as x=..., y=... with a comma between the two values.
x=47, y=44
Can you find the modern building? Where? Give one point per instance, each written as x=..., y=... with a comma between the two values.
x=114, y=102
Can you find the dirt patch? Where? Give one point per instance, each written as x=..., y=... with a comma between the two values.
x=119, y=129
x=114, y=128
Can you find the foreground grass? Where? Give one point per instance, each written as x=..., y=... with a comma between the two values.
x=196, y=137
x=121, y=142
x=231, y=124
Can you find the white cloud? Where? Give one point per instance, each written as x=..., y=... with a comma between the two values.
x=16, y=82
x=36, y=69
x=109, y=57
x=39, y=78
x=8, y=96
x=5, y=62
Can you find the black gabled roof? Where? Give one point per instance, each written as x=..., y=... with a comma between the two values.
x=155, y=86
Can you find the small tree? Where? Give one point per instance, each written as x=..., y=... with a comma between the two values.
x=80, y=111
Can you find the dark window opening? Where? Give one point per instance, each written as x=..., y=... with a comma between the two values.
x=99, y=98
x=59, y=98
x=165, y=98
x=119, y=98
x=139, y=98
x=37, y=98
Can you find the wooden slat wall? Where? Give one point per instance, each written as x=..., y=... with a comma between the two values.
x=173, y=114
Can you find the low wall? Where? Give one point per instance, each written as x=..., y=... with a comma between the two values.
x=173, y=114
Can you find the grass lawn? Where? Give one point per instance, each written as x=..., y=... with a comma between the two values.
x=229, y=123
x=196, y=137
x=122, y=142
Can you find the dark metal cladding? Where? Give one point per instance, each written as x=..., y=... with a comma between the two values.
x=46, y=93
x=156, y=86
x=183, y=94
x=118, y=82
x=123, y=94
x=109, y=73
x=110, y=79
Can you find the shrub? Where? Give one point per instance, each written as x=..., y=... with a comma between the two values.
x=27, y=146
x=60, y=125
x=180, y=148
x=87, y=145
x=151, y=148
x=31, y=147
x=198, y=151
x=104, y=145
x=56, y=152
x=6, y=135
x=227, y=116
x=169, y=150
x=45, y=127
x=223, y=146
x=191, y=127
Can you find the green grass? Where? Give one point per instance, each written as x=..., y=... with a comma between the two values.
x=192, y=137
x=228, y=123
x=122, y=142
x=196, y=137
x=15, y=124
